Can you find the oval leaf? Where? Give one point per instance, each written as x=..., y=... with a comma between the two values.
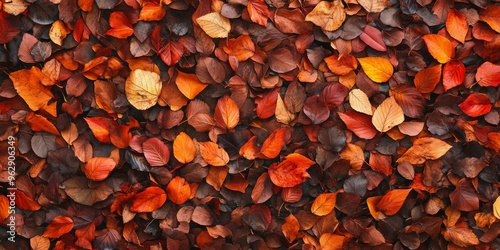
x=148, y=200
x=290, y=172
x=143, y=88
x=378, y=69
x=387, y=115
x=98, y=168
x=359, y=101
x=59, y=226
x=213, y=154
x=215, y=25
x=324, y=204
x=440, y=47
x=476, y=104
x=156, y=152
x=184, y=148
x=425, y=148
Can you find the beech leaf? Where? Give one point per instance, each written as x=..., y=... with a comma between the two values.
x=425, y=148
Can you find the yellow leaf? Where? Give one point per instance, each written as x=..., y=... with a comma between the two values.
x=378, y=69
x=143, y=88
x=327, y=15
x=374, y=6
x=58, y=32
x=281, y=112
x=215, y=25
x=189, y=84
x=324, y=204
x=15, y=7
x=184, y=148
x=387, y=115
x=359, y=101
x=425, y=148
x=354, y=154
x=496, y=208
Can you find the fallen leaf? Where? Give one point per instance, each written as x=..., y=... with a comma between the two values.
x=324, y=204
x=360, y=124
x=354, y=154
x=241, y=47
x=213, y=154
x=461, y=235
x=215, y=25
x=227, y=113
x=456, y=25
x=374, y=6
x=290, y=228
x=440, y=47
x=143, y=88
x=178, y=190
x=273, y=144
x=39, y=243
x=189, y=84
x=184, y=148
x=392, y=201
x=490, y=16
x=378, y=69
x=426, y=80
x=120, y=25
x=425, y=148
x=58, y=226
x=156, y=152
x=99, y=168
x=496, y=208
x=29, y=86
x=329, y=241
x=58, y=32
x=152, y=12
x=476, y=104
x=149, y=200
x=388, y=115
x=453, y=74
x=290, y=172
x=488, y=74
x=327, y=15
x=359, y=101
x=258, y=11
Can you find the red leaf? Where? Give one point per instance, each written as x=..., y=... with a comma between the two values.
x=464, y=196
x=315, y=110
x=120, y=25
x=171, y=53
x=427, y=79
x=266, y=105
x=59, y=226
x=392, y=201
x=453, y=74
x=476, y=104
x=156, y=152
x=373, y=38
x=258, y=12
x=290, y=172
x=333, y=95
x=360, y=124
x=148, y=200
x=488, y=74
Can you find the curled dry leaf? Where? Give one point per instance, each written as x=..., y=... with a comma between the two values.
x=327, y=15
x=425, y=148
x=388, y=115
x=215, y=25
x=143, y=88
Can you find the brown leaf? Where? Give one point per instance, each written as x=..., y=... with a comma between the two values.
x=425, y=148
x=327, y=15
x=290, y=228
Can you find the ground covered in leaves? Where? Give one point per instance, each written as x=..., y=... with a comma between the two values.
x=250, y=124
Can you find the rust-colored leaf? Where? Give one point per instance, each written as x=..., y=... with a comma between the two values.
x=213, y=154
x=149, y=200
x=425, y=148
x=290, y=172
x=99, y=168
x=178, y=190
x=324, y=204
x=58, y=226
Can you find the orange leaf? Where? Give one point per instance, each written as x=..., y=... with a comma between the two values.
x=99, y=127
x=324, y=204
x=148, y=200
x=156, y=152
x=425, y=148
x=4, y=207
x=461, y=235
x=329, y=241
x=327, y=15
x=40, y=123
x=490, y=16
x=213, y=154
x=372, y=202
x=237, y=183
x=216, y=176
x=25, y=202
x=189, y=84
x=152, y=12
x=29, y=86
x=378, y=69
x=102, y=67
x=456, y=25
x=440, y=47
x=242, y=47
x=273, y=144
x=354, y=154
x=341, y=64
x=178, y=190
x=476, y=104
x=258, y=11
x=387, y=115
x=381, y=163
x=98, y=168
x=453, y=74
x=427, y=79
x=120, y=25
x=392, y=201
x=59, y=226
x=290, y=172
x=227, y=113
x=249, y=150
x=40, y=243
x=494, y=141
x=184, y=148
x=290, y=228
x=488, y=74
x=85, y=5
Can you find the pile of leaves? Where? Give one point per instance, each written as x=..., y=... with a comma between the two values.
x=251, y=124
